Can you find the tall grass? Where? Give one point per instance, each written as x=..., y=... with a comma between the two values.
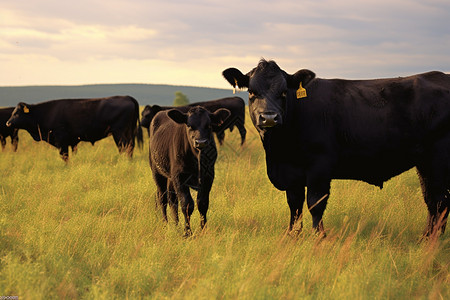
x=89, y=229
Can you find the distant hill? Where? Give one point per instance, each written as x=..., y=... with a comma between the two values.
x=144, y=93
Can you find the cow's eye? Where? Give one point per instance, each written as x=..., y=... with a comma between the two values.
x=283, y=95
x=251, y=94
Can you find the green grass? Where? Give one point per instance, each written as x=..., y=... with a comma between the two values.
x=89, y=230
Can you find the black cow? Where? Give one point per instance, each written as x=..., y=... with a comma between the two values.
x=66, y=122
x=234, y=104
x=5, y=131
x=369, y=130
x=182, y=156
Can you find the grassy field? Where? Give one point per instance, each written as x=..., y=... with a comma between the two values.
x=89, y=230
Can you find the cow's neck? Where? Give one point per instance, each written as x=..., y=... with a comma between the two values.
x=275, y=138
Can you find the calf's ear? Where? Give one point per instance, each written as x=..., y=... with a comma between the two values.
x=304, y=76
x=219, y=116
x=177, y=116
x=236, y=78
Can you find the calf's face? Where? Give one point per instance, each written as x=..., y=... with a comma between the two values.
x=268, y=87
x=199, y=122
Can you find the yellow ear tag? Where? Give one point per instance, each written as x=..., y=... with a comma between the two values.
x=301, y=92
x=26, y=109
x=234, y=87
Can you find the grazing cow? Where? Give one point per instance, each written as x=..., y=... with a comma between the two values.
x=234, y=104
x=315, y=130
x=182, y=156
x=5, y=131
x=64, y=123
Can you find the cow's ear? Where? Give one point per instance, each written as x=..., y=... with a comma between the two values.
x=236, y=78
x=219, y=116
x=177, y=116
x=24, y=107
x=304, y=76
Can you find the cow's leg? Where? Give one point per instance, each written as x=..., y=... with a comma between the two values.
x=118, y=139
x=123, y=142
x=203, y=199
x=74, y=149
x=161, y=193
x=295, y=199
x=129, y=145
x=187, y=204
x=242, y=130
x=172, y=200
x=3, y=141
x=64, y=152
x=435, y=183
x=207, y=161
x=317, y=197
x=129, y=141
x=15, y=140
x=203, y=204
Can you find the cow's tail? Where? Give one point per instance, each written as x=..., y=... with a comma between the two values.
x=138, y=129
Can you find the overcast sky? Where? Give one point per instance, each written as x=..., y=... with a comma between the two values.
x=187, y=42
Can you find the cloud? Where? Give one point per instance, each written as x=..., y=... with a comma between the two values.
x=190, y=42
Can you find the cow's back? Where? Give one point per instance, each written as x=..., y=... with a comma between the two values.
x=234, y=104
x=89, y=119
x=114, y=108
x=373, y=129
x=383, y=108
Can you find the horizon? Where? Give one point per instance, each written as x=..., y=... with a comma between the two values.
x=120, y=83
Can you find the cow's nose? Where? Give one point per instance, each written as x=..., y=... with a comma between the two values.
x=201, y=143
x=268, y=119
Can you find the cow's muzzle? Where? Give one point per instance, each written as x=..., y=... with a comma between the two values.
x=268, y=120
x=8, y=124
x=201, y=143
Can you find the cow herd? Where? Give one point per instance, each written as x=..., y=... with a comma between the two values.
x=182, y=147
x=313, y=130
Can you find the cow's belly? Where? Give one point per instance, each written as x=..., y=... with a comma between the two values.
x=373, y=170
x=93, y=136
